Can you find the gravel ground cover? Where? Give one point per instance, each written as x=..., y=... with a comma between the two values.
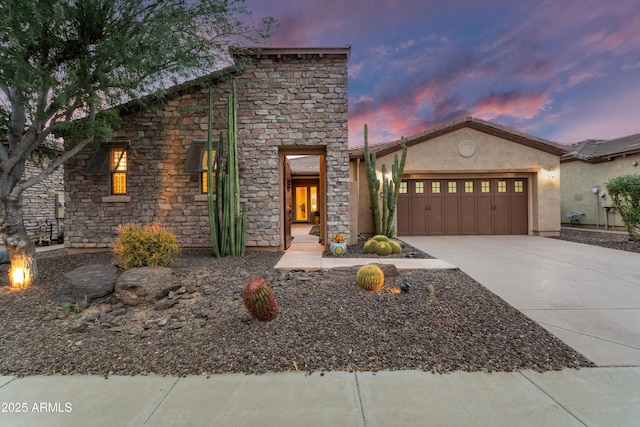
x=326, y=323
x=598, y=238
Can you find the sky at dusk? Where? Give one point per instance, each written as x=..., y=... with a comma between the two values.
x=563, y=70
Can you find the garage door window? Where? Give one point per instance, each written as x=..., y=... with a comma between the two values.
x=403, y=187
x=502, y=186
x=453, y=188
x=485, y=186
x=468, y=187
x=435, y=187
x=419, y=187
x=518, y=187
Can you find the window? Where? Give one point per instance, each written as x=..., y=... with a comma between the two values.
x=468, y=186
x=485, y=186
x=118, y=162
x=111, y=158
x=203, y=175
x=452, y=187
x=197, y=159
x=518, y=187
x=435, y=187
x=403, y=187
x=502, y=186
x=419, y=187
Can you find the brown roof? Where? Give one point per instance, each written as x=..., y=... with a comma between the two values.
x=595, y=151
x=467, y=122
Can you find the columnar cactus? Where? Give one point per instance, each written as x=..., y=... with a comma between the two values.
x=259, y=300
x=370, y=277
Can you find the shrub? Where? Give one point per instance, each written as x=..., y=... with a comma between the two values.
x=369, y=246
x=625, y=193
x=147, y=245
x=370, y=277
x=383, y=248
x=259, y=300
x=395, y=247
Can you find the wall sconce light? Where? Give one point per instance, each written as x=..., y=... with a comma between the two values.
x=551, y=174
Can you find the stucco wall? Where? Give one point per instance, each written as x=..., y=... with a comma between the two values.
x=285, y=100
x=493, y=157
x=578, y=180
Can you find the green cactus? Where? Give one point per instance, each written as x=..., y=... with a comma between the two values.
x=390, y=187
x=383, y=248
x=395, y=247
x=380, y=238
x=370, y=277
x=259, y=300
x=227, y=222
x=369, y=246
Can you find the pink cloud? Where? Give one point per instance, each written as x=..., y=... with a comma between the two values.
x=513, y=103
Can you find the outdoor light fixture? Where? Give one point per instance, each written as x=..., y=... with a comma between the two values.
x=551, y=174
x=20, y=274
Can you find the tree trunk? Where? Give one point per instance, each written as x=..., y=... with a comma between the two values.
x=21, y=250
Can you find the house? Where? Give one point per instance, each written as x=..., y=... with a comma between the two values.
x=468, y=177
x=585, y=169
x=291, y=101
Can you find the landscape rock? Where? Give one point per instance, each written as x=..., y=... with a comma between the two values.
x=144, y=285
x=90, y=281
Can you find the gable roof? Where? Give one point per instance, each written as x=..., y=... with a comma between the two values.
x=596, y=151
x=467, y=122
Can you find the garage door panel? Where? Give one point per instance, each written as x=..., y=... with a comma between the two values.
x=403, y=215
x=466, y=206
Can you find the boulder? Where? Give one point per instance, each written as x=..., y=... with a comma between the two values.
x=90, y=281
x=144, y=285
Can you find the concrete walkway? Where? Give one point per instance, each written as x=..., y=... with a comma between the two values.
x=587, y=296
x=589, y=397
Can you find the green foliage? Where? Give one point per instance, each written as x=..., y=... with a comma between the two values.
x=369, y=246
x=625, y=193
x=370, y=277
x=382, y=221
x=380, y=238
x=259, y=300
x=77, y=307
x=383, y=248
x=395, y=246
x=147, y=245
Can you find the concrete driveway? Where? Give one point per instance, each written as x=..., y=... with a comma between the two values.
x=587, y=296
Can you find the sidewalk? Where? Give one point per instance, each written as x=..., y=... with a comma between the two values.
x=588, y=397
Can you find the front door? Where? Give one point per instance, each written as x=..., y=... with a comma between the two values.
x=288, y=203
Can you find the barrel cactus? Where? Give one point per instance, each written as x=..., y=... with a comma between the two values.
x=369, y=246
x=259, y=300
x=395, y=247
x=380, y=238
x=383, y=249
x=370, y=277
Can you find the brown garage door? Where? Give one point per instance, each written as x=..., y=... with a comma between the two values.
x=432, y=207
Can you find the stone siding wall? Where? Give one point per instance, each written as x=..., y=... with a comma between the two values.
x=38, y=204
x=283, y=100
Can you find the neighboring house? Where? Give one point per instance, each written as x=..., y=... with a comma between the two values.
x=585, y=169
x=468, y=177
x=290, y=102
x=43, y=206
